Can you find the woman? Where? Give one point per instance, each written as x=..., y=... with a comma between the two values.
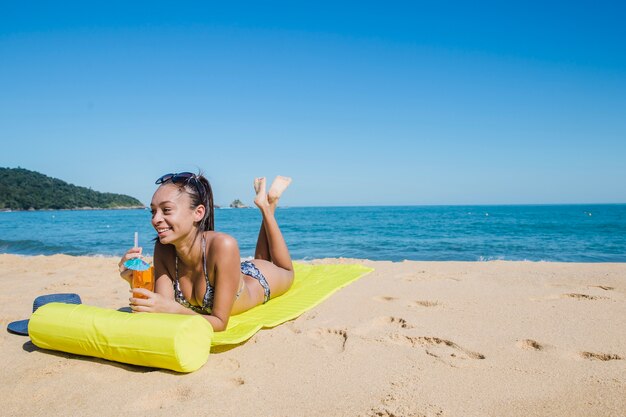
x=198, y=270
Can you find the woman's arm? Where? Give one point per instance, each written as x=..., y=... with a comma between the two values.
x=227, y=272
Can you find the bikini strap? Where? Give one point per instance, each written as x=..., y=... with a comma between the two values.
x=206, y=275
x=178, y=294
x=209, y=291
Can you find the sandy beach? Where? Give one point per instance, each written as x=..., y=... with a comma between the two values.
x=409, y=339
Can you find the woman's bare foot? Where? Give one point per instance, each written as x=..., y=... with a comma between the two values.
x=261, y=199
x=279, y=185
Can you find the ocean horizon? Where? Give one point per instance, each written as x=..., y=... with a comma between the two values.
x=530, y=232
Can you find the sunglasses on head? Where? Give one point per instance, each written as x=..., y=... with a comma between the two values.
x=184, y=178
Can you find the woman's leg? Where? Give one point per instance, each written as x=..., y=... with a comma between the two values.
x=262, y=246
x=272, y=256
x=271, y=245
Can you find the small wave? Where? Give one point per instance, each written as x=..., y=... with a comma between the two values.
x=512, y=259
x=491, y=258
x=111, y=255
x=35, y=247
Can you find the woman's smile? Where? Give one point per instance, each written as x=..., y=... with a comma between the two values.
x=162, y=230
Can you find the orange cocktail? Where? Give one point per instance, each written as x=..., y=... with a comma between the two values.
x=143, y=279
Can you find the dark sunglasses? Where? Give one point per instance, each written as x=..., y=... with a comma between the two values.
x=184, y=178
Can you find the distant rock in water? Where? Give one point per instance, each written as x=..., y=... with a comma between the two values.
x=237, y=204
x=21, y=189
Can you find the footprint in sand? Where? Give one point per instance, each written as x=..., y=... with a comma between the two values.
x=583, y=296
x=237, y=382
x=437, y=347
x=424, y=303
x=529, y=344
x=413, y=276
x=57, y=285
x=603, y=287
x=309, y=315
x=225, y=365
x=384, y=298
x=600, y=356
x=400, y=400
x=331, y=340
x=393, y=321
x=223, y=370
x=293, y=327
x=163, y=398
x=404, y=408
x=49, y=370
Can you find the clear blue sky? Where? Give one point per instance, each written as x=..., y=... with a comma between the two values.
x=362, y=103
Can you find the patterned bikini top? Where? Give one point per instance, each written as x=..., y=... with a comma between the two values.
x=207, y=302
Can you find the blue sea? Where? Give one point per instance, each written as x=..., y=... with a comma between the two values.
x=568, y=233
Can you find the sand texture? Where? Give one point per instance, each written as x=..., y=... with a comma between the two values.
x=409, y=339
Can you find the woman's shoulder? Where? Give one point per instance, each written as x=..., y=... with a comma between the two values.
x=221, y=240
x=221, y=245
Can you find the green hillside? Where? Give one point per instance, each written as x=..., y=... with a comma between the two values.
x=21, y=189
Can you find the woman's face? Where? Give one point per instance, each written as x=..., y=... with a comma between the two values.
x=172, y=215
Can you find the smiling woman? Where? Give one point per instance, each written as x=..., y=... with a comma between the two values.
x=197, y=269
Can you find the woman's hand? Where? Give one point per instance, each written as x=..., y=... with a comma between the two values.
x=130, y=254
x=153, y=303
